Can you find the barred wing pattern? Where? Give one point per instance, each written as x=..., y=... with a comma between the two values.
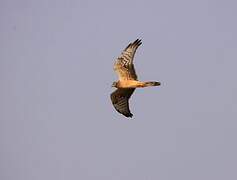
x=120, y=99
x=124, y=64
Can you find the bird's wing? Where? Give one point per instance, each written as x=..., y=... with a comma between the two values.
x=124, y=64
x=120, y=99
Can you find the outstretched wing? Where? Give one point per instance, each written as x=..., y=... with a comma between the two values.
x=120, y=99
x=124, y=64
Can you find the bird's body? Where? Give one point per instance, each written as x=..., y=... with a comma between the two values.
x=128, y=80
x=135, y=84
x=130, y=84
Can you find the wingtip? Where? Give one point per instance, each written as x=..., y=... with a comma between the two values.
x=137, y=43
x=130, y=115
x=134, y=44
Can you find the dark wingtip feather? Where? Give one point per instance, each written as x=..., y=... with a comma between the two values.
x=135, y=44
x=128, y=115
x=137, y=41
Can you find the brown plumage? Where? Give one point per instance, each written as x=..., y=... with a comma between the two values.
x=128, y=81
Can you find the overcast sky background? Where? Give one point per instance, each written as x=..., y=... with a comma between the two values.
x=56, y=118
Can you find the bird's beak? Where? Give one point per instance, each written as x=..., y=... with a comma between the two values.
x=113, y=85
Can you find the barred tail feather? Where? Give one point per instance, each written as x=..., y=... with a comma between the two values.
x=152, y=83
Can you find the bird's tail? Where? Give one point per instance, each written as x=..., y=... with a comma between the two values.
x=152, y=83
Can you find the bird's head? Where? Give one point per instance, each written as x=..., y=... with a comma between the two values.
x=114, y=84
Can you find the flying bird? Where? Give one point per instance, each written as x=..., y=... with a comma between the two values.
x=128, y=80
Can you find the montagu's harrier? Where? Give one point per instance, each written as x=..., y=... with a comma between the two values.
x=128, y=81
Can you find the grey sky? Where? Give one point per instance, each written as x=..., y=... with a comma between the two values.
x=56, y=118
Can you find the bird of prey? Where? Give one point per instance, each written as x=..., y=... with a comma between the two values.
x=128, y=80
